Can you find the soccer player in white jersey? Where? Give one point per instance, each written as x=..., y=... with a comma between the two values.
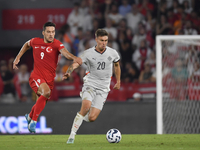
x=99, y=61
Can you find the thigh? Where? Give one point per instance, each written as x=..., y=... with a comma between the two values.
x=35, y=83
x=44, y=87
x=99, y=99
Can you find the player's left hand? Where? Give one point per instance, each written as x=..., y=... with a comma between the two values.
x=117, y=86
x=78, y=60
x=65, y=76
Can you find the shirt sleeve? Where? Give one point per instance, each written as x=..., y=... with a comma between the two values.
x=116, y=57
x=83, y=57
x=32, y=42
x=60, y=45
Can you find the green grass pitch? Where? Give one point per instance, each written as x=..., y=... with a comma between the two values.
x=99, y=142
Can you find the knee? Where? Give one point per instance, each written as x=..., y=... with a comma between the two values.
x=92, y=118
x=47, y=93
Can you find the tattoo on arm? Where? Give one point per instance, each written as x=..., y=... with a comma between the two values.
x=70, y=69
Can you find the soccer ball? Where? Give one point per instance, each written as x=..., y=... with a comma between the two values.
x=113, y=136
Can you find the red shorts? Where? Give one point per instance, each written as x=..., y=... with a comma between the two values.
x=35, y=82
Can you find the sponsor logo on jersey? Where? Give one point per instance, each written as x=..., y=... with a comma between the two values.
x=49, y=49
x=43, y=47
x=37, y=47
x=94, y=59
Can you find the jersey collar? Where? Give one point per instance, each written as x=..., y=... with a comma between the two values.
x=98, y=51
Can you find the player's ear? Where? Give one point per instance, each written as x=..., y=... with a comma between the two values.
x=42, y=32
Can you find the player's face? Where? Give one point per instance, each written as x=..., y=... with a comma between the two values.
x=49, y=34
x=101, y=42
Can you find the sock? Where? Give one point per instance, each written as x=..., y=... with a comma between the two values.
x=32, y=110
x=76, y=124
x=86, y=117
x=39, y=106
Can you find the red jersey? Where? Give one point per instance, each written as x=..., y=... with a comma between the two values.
x=45, y=57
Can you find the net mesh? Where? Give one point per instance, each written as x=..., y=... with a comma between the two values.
x=181, y=86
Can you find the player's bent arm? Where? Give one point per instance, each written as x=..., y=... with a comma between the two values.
x=24, y=48
x=117, y=71
x=70, y=56
x=70, y=70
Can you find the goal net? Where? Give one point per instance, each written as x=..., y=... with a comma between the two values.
x=178, y=84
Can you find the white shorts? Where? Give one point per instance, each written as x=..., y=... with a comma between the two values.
x=96, y=96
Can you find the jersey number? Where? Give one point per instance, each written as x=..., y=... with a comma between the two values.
x=42, y=55
x=101, y=65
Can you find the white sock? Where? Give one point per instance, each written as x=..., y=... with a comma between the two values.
x=29, y=118
x=33, y=121
x=76, y=124
x=86, y=117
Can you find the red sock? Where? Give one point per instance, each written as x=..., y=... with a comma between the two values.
x=32, y=111
x=39, y=106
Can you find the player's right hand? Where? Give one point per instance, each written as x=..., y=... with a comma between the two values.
x=65, y=76
x=15, y=63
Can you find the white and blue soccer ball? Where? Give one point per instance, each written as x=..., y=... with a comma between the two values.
x=113, y=136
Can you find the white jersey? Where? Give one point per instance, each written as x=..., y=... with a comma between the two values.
x=99, y=67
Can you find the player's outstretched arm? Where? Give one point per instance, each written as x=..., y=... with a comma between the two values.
x=24, y=48
x=117, y=70
x=70, y=56
x=70, y=70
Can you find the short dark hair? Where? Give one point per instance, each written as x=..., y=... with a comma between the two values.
x=101, y=32
x=48, y=24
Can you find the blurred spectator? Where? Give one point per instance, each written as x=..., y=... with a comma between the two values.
x=187, y=8
x=7, y=78
x=133, y=18
x=88, y=21
x=163, y=27
x=68, y=37
x=129, y=34
x=59, y=73
x=195, y=76
x=175, y=5
x=125, y=48
x=10, y=65
x=191, y=58
x=145, y=6
x=145, y=75
x=179, y=24
x=188, y=29
x=114, y=15
x=77, y=40
x=130, y=73
x=179, y=75
x=193, y=17
x=151, y=60
x=162, y=8
x=149, y=22
x=171, y=18
x=112, y=43
x=110, y=29
x=140, y=55
x=95, y=26
x=23, y=80
x=122, y=26
x=141, y=35
x=75, y=19
x=83, y=9
x=89, y=37
x=124, y=8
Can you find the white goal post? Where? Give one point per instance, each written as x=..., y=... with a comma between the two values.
x=163, y=128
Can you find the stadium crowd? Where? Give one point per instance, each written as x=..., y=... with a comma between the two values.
x=132, y=26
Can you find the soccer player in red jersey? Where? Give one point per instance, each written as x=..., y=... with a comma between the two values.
x=45, y=53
